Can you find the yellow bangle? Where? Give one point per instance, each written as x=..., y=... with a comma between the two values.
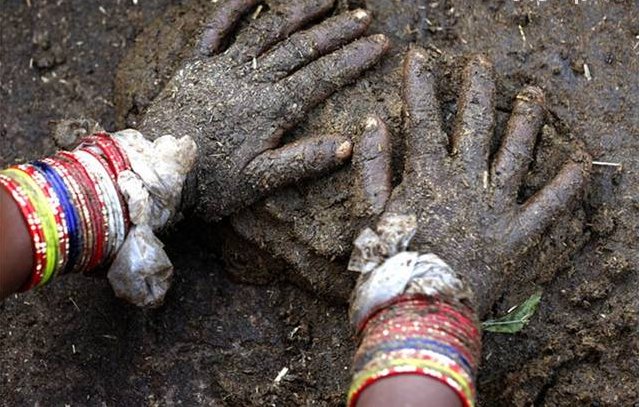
x=49, y=227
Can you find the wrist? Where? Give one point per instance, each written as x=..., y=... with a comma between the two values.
x=75, y=215
x=162, y=120
x=408, y=390
x=419, y=336
x=16, y=251
x=97, y=207
x=412, y=313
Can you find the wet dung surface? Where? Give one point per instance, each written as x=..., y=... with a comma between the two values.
x=221, y=341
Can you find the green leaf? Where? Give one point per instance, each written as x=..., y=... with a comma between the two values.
x=516, y=319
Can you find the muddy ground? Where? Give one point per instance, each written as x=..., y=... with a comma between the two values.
x=219, y=342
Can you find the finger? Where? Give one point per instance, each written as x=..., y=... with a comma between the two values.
x=312, y=84
x=516, y=152
x=298, y=160
x=303, y=47
x=275, y=25
x=224, y=17
x=372, y=163
x=426, y=140
x=475, y=120
x=540, y=210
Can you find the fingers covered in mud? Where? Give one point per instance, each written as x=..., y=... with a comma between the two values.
x=303, y=47
x=516, y=152
x=426, y=140
x=315, y=82
x=265, y=30
x=222, y=20
x=372, y=163
x=539, y=211
x=298, y=160
x=475, y=120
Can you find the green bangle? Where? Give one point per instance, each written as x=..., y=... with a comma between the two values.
x=49, y=227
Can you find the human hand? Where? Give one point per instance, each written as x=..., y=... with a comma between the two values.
x=308, y=252
x=238, y=104
x=465, y=202
x=312, y=233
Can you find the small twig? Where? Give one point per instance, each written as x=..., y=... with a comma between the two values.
x=587, y=72
x=281, y=375
x=74, y=303
x=112, y=337
x=257, y=12
x=524, y=37
x=606, y=164
x=292, y=333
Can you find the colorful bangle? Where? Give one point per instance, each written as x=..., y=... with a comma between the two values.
x=99, y=216
x=108, y=151
x=419, y=335
x=75, y=213
x=83, y=233
x=34, y=227
x=55, y=205
x=97, y=166
x=71, y=215
x=43, y=209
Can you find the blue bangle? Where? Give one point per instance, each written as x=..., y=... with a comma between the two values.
x=75, y=240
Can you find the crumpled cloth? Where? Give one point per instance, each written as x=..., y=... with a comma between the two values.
x=141, y=272
x=387, y=270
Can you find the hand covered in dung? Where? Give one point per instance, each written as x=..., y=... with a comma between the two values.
x=238, y=103
x=464, y=201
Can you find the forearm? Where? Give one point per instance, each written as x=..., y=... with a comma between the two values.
x=95, y=207
x=409, y=391
x=62, y=214
x=16, y=251
x=419, y=335
x=420, y=349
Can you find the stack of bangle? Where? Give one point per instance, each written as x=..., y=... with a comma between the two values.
x=75, y=213
x=419, y=335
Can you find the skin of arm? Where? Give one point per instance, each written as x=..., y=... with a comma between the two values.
x=16, y=252
x=335, y=55
x=408, y=391
x=16, y=259
x=443, y=174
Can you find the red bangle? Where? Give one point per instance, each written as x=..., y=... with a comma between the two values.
x=120, y=155
x=96, y=207
x=115, y=213
x=102, y=243
x=34, y=228
x=111, y=150
x=116, y=162
x=79, y=201
x=58, y=214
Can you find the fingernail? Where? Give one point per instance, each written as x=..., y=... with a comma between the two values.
x=344, y=150
x=379, y=38
x=371, y=123
x=531, y=93
x=361, y=14
x=418, y=53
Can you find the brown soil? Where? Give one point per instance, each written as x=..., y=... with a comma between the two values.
x=220, y=342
